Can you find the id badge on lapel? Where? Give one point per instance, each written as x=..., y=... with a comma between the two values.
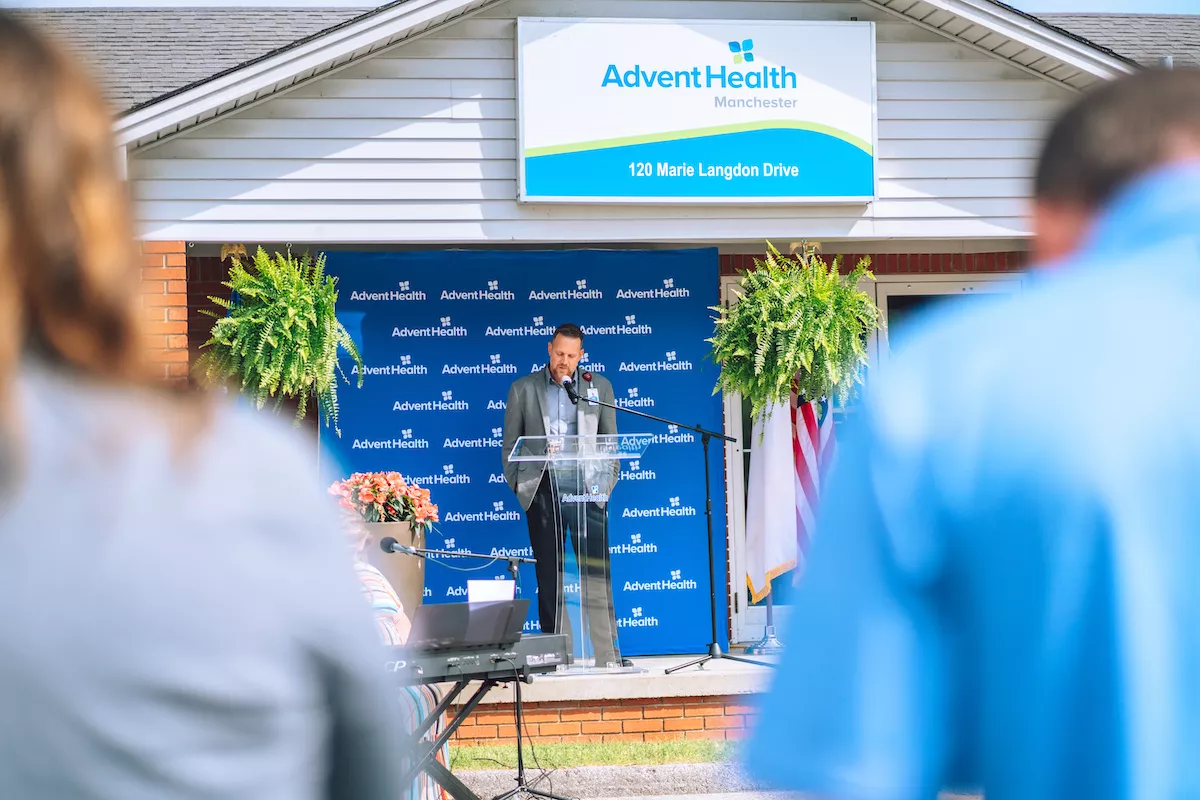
x=593, y=395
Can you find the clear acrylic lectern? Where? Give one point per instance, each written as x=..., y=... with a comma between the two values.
x=582, y=471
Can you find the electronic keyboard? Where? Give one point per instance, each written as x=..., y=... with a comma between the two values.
x=529, y=655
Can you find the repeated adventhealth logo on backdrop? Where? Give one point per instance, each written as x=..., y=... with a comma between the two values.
x=444, y=334
x=696, y=111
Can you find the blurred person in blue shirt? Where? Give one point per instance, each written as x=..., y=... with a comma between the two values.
x=1004, y=592
x=179, y=617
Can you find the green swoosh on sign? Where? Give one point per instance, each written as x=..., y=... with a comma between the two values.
x=695, y=133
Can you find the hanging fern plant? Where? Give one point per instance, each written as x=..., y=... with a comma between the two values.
x=798, y=321
x=281, y=335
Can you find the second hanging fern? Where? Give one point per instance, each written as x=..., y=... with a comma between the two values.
x=799, y=322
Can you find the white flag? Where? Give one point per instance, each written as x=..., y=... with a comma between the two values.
x=771, y=546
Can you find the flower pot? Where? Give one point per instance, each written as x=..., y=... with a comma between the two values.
x=405, y=573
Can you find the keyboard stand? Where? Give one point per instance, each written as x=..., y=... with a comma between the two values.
x=426, y=752
x=501, y=664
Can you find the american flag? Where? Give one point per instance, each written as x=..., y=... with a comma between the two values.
x=813, y=449
x=788, y=459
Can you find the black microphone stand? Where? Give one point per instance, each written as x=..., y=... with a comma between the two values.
x=714, y=647
x=390, y=545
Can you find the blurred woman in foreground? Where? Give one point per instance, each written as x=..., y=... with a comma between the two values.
x=178, y=619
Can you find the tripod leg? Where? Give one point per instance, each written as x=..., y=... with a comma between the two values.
x=701, y=660
x=545, y=795
x=741, y=660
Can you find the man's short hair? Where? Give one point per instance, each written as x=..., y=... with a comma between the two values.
x=569, y=330
x=1117, y=132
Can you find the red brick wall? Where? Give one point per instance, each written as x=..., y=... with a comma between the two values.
x=164, y=300
x=908, y=263
x=638, y=720
x=204, y=277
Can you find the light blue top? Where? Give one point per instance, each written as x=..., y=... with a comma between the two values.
x=1004, y=591
x=564, y=419
x=179, y=615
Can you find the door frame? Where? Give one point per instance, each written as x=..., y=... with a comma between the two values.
x=735, y=492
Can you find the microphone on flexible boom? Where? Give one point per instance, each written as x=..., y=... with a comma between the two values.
x=569, y=385
x=390, y=545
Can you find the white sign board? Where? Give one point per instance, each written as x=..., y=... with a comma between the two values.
x=661, y=111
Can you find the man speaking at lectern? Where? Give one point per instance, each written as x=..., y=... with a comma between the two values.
x=539, y=405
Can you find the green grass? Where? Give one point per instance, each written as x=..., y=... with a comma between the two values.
x=552, y=755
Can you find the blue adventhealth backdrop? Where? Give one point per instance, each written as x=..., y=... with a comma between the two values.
x=443, y=334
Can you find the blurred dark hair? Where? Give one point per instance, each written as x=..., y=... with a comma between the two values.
x=569, y=330
x=1115, y=133
x=69, y=286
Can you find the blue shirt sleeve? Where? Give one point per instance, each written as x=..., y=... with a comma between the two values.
x=860, y=705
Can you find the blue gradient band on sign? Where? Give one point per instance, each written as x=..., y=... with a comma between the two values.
x=827, y=166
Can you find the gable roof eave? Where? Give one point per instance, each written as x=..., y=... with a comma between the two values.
x=328, y=49
x=953, y=18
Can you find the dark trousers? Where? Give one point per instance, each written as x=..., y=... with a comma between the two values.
x=549, y=523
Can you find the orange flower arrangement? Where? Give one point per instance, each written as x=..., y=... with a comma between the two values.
x=385, y=497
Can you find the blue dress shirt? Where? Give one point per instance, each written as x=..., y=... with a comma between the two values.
x=1004, y=589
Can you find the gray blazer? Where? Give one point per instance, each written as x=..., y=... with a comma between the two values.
x=525, y=415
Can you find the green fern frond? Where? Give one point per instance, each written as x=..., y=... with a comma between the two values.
x=798, y=320
x=281, y=337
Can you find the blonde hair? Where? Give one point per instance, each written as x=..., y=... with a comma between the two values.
x=68, y=277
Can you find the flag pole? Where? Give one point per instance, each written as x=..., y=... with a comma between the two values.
x=769, y=644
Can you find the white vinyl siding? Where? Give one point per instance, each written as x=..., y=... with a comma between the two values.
x=419, y=145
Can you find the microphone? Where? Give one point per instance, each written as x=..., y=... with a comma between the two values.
x=390, y=545
x=569, y=385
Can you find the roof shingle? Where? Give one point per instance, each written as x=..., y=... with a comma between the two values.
x=1143, y=37
x=142, y=54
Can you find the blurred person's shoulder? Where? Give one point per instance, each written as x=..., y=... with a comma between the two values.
x=1070, y=307
x=208, y=456
x=1015, y=372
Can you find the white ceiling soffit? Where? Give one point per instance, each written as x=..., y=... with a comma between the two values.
x=983, y=25
x=332, y=50
x=1004, y=32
